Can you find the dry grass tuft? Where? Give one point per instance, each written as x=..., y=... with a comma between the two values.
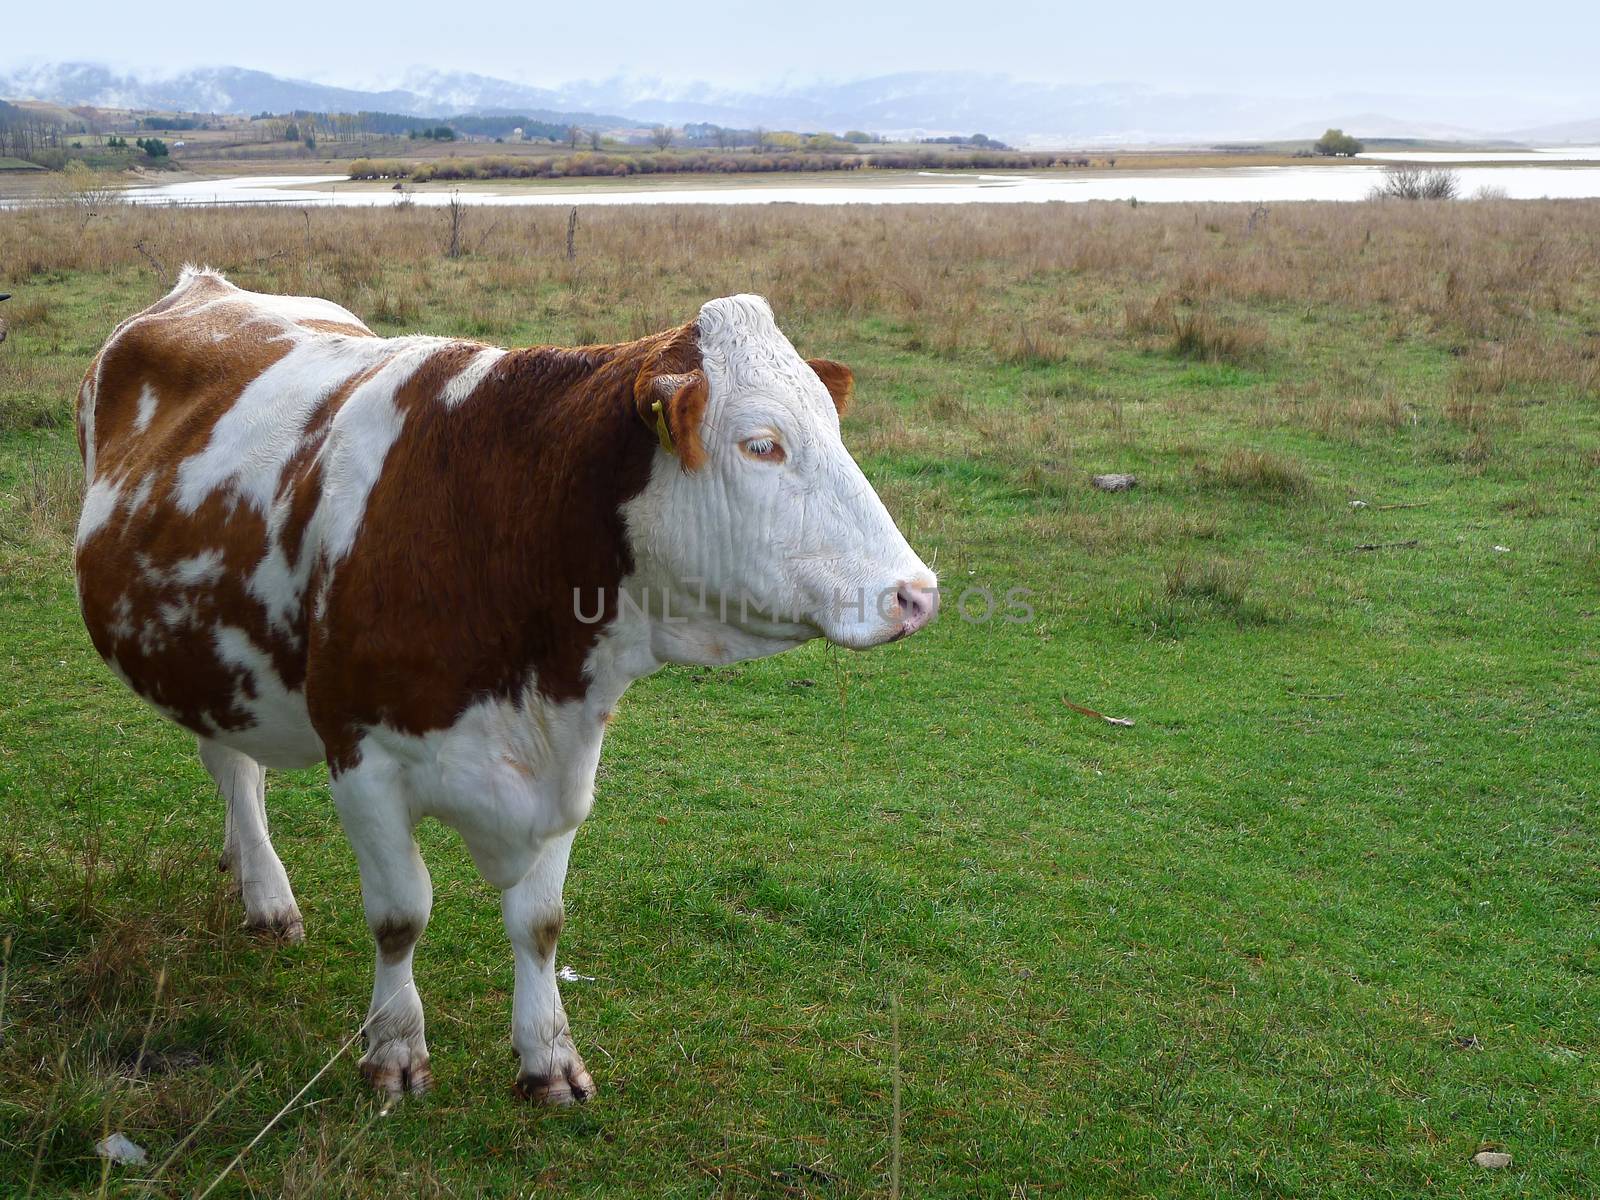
x=1257, y=472
x=1351, y=415
x=1199, y=335
x=1212, y=581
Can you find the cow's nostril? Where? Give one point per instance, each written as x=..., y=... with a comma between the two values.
x=918, y=603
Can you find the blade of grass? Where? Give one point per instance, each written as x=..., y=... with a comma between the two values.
x=278, y=1116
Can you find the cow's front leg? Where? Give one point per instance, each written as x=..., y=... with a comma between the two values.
x=398, y=896
x=552, y=1071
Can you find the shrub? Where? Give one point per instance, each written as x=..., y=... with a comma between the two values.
x=1414, y=183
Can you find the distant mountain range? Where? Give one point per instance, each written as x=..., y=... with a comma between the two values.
x=239, y=91
x=927, y=103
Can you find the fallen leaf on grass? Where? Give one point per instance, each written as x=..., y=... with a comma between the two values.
x=1126, y=722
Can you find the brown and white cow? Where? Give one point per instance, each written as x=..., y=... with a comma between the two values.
x=437, y=565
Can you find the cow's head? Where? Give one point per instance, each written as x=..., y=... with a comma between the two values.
x=755, y=504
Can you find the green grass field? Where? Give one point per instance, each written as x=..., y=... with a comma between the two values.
x=1324, y=922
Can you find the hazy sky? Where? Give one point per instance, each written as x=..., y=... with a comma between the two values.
x=1541, y=49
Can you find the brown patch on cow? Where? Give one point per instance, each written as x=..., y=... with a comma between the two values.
x=837, y=378
x=547, y=934
x=395, y=936
x=343, y=328
x=485, y=519
x=607, y=716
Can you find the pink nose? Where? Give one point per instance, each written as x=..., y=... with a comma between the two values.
x=918, y=603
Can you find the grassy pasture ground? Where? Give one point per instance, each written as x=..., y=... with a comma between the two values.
x=1322, y=923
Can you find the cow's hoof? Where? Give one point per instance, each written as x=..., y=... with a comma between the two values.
x=573, y=1086
x=394, y=1069
x=283, y=926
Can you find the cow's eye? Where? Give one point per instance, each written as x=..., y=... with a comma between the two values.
x=765, y=449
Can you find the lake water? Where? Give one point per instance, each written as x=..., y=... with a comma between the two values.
x=1532, y=174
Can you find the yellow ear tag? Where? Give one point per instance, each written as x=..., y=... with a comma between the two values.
x=662, y=432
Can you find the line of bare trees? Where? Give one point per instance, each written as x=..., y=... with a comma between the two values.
x=24, y=134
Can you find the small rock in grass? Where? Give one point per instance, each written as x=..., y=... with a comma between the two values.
x=121, y=1151
x=1115, y=483
x=1492, y=1159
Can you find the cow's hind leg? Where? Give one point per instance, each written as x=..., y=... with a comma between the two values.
x=552, y=1071
x=269, y=903
x=398, y=896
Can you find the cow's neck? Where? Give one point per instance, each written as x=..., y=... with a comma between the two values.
x=571, y=452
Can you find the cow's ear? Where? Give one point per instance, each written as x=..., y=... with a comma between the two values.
x=673, y=406
x=837, y=378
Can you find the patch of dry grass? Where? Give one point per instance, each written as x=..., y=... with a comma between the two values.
x=958, y=280
x=1257, y=472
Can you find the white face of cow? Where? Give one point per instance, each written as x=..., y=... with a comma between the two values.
x=777, y=527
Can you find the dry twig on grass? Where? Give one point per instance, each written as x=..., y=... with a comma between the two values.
x=1125, y=722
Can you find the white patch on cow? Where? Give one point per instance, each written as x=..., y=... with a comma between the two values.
x=298, y=308
x=259, y=432
x=510, y=774
x=147, y=409
x=274, y=584
x=86, y=395
x=363, y=430
x=152, y=638
x=200, y=570
x=174, y=616
x=121, y=626
x=280, y=733
x=140, y=496
x=99, y=503
x=470, y=376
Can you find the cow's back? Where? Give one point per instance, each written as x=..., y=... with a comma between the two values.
x=204, y=424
